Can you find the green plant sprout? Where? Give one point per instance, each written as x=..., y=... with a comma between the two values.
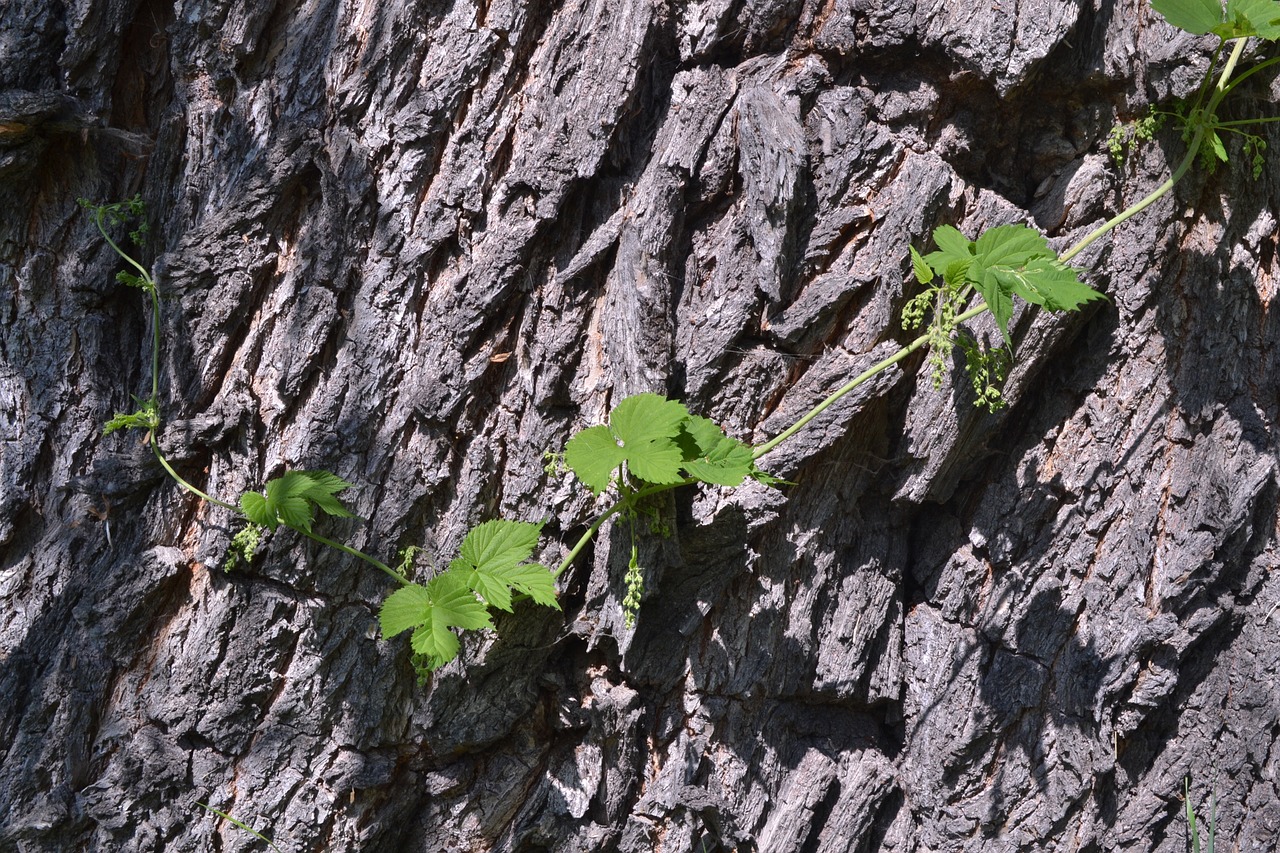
x=1193, y=829
x=240, y=825
x=1123, y=138
x=650, y=445
x=1006, y=261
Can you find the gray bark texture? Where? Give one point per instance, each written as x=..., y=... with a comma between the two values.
x=420, y=243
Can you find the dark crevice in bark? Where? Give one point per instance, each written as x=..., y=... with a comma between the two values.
x=821, y=814
x=882, y=821
x=142, y=88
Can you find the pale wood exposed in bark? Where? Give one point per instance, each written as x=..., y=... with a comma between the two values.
x=957, y=631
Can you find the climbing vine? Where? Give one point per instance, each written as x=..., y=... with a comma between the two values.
x=650, y=445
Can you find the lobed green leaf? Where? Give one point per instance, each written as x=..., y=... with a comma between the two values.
x=433, y=611
x=405, y=608
x=643, y=418
x=454, y=602
x=712, y=457
x=951, y=242
x=1004, y=261
x=499, y=543
x=294, y=512
x=453, y=605
x=647, y=426
x=1219, y=150
x=285, y=501
x=324, y=486
x=641, y=432
x=731, y=471
x=922, y=270
x=999, y=300
x=1195, y=16
x=699, y=436
x=658, y=461
x=1245, y=18
x=1010, y=246
x=536, y=581
x=489, y=561
x=255, y=509
x=495, y=585
x=1242, y=18
x=593, y=455
x=1049, y=283
x=292, y=498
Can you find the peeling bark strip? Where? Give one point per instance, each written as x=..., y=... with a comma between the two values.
x=956, y=632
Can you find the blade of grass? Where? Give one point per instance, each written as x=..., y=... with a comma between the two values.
x=240, y=824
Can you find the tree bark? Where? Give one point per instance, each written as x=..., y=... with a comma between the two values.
x=420, y=244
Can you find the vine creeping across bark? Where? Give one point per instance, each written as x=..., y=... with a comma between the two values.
x=651, y=444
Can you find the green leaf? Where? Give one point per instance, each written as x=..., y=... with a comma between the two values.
x=452, y=600
x=147, y=416
x=329, y=504
x=536, y=581
x=768, y=479
x=322, y=490
x=433, y=611
x=326, y=482
x=285, y=501
x=453, y=605
x=641, y=432
x=291, y=484
x=493, y=589
x=951, y=242
x=698, y=436
x=1262, y=16
x=495, y=584
x=406, y=608
x=953, y=270
x=1194, y=16
x=1013, y=259
x=294, y=512
x=999, y=300
x=922, y=270
x=489, y=560
x=1219, y=150
x=647, y=417
x=1050, y=283
x=434, y=640
x=500, y=543
x=131, y=280
x=731, y=470
x=716, y=458
x=593, y=455
x=657, y=461
x=291, y=499
x=647, y=426
x=255, y=508
x=1010, y=246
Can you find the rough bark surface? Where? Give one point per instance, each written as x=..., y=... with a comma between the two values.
x=421, y=243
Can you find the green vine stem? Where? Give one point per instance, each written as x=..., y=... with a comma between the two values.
x=148, y=284
x=452, y=599
x=1225, y=84
x=376, y=563
x=628, y=500
x=878, y=367
x=152, y=289
x=1193, y=150
x=155, y=447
